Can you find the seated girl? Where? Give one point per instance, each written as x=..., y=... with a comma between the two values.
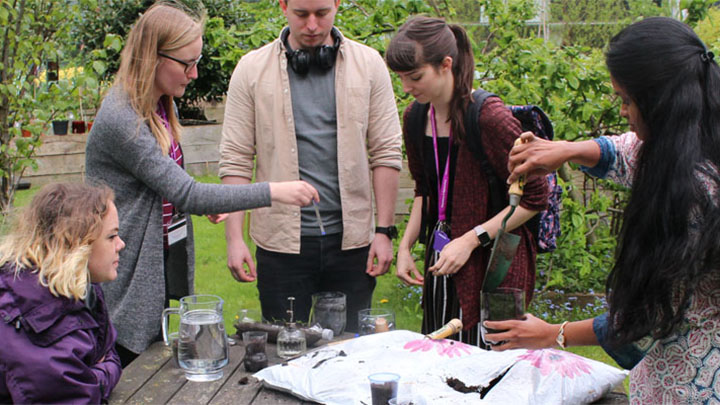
x=58, y=345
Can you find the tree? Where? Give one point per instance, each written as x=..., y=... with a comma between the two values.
x=33, y=32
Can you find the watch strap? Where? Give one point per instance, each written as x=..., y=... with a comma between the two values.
x=390, y=231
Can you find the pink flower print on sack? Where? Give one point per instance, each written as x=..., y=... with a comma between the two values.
x=551, y=360
x=444, y=347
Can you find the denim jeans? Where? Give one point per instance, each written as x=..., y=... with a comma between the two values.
x=320, y=266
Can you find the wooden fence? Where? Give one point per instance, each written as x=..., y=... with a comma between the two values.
x=62, y=158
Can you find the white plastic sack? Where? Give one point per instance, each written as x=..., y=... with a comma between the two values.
x=337, y=374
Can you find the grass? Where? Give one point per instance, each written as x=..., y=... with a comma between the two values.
x=213, y=277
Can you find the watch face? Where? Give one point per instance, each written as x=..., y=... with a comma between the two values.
x=483, y=238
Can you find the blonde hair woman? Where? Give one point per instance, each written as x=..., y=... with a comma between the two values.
x=134, y=148
x=57, y=339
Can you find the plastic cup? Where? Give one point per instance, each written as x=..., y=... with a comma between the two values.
x=329, y=309
x=383, y=387
x=375, y=320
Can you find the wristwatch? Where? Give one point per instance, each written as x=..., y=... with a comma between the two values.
x=483, y=236
x=560, y=339
x=390, y=231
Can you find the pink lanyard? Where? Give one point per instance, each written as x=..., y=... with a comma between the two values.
x=445, y=183
x=163, y=116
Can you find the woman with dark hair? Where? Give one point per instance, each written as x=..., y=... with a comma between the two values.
x=664, y=306
x=435, y=63
x=134, y=147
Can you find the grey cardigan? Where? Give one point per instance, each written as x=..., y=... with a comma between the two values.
x=122, y=153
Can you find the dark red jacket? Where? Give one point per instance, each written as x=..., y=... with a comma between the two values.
x=470, y=201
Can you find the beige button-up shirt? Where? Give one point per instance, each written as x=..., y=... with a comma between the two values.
x=259, y=133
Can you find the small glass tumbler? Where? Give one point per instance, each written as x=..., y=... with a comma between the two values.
x=255, y=356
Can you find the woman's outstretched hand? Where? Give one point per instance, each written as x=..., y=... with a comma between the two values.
x=534, y=157
x=216, y=218
x=299, y=193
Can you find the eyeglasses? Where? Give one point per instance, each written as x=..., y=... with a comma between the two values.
x=188, y=65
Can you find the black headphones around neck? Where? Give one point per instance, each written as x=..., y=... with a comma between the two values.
x=322, y=56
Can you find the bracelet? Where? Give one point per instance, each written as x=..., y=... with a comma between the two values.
x=560, y=339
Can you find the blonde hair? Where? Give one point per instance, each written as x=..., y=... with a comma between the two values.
x=53, y=235
x=164, y=27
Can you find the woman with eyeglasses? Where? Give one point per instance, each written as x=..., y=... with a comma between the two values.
x=134, y=147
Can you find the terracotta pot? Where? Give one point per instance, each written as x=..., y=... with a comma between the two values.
x=88, y=126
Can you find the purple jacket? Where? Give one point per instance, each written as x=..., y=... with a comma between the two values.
x=51, y=347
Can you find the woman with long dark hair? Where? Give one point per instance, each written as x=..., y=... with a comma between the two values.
x=452, y=194
x=664, y=305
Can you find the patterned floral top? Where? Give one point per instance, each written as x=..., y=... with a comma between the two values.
x=684, y=367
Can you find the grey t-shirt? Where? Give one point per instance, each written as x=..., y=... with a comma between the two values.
x=315, y=115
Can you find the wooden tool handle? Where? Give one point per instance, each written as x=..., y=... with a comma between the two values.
x=454, y=326
x=519, y=185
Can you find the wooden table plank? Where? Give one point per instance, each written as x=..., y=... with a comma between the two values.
x=241, y=388
x=161, y=387
x=268, y=396
x=235, y=392
x=204, y=392
x=137, y=373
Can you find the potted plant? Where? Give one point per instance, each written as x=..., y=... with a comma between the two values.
x=60, y=126
x=65, y=92
x=91, y=95
x=78, y=126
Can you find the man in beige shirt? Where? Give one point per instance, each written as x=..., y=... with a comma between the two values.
x=316, y=106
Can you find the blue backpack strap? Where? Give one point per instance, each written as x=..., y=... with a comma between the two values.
x=533, y=118
x=473, y=134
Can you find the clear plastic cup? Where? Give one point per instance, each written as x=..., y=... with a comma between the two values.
x=383, y=387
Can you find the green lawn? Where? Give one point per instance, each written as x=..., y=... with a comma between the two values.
x=213, y=277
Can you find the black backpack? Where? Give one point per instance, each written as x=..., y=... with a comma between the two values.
x=545, y=226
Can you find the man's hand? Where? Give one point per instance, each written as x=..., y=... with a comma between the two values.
x=238, y=256
x=382, y=250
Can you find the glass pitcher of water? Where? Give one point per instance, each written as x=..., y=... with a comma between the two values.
x=202, y=342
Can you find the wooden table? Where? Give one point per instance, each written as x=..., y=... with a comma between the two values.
x=153, y=378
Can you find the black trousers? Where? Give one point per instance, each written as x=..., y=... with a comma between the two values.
x=320, y=266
